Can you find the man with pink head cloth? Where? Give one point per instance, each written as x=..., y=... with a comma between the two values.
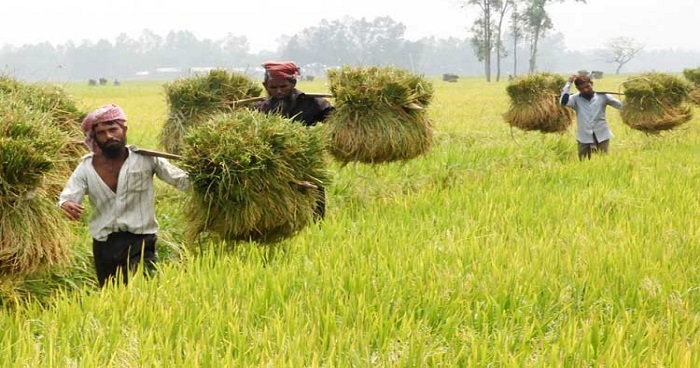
x=109, y=112
x=119, y=185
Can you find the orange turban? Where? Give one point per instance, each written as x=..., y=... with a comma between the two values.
x=281, y=70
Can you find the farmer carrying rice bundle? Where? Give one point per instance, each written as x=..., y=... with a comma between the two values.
x=254, y=176
x=118, y=180
x=285, y=100
x=593, y=133
x=380, y=115
x=655, y=102
x=193, y=100
x=534, y=104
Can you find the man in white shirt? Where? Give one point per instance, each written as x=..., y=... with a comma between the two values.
x=119, y=184
x=593, y=133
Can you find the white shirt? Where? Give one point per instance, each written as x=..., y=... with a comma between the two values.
x=590, y=115
x=132, y=207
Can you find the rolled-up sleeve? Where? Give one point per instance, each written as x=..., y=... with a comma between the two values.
x=75, y=188
x=171, y=174
x=614, y=102
x=565, y=99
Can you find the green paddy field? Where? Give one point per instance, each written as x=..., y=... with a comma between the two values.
x=496, y=249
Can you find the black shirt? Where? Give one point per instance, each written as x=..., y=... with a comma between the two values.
x=298, y=106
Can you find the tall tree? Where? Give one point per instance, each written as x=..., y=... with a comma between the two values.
x=537, y=23
x=482, y=33
x=500, y=49
x=516, y=30
x=487, y=36
x=620, y=50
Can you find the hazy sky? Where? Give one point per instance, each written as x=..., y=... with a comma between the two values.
x=655, y=23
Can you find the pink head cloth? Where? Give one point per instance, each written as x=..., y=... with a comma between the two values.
x=105, y=113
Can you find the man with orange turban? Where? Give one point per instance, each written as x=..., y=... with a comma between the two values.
x=285, y=99
x=280, y=82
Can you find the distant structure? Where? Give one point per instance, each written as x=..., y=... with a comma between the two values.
x=313, y=70
x=448, y=77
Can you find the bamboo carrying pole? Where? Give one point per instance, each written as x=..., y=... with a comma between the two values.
x=410, y=106
x=153, y=153
x=260, y=98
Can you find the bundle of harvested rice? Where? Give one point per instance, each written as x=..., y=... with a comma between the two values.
x=693, y=76
x=253, y=176
x=380, y=115
x=60, y=108
x=655, y=102
x=33, y=233
x=194, y=99
x=534, y=104
x=694, y=96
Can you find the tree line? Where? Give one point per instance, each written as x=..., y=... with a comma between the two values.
x=347, y=41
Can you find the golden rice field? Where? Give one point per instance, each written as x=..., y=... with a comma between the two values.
x=497, y=248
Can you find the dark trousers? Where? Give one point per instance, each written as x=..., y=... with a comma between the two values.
x=585, y=149
x=122, y=251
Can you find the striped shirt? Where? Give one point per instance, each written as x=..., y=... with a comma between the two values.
x=132, y=207
x=590, y=114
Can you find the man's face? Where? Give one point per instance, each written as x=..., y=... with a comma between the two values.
x=110, y=138
x=586, y=89
x=278, y=88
